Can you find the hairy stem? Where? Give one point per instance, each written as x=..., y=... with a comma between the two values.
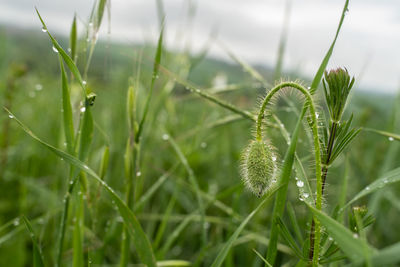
x=331, y=141
x=317, y=152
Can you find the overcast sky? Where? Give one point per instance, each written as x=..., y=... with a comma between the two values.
x=369, y=42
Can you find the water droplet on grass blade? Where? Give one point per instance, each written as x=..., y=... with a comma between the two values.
x=44, y=29
x=203, y=145
x=10, y=116
x=391, y=139
x=138, y=174
x=83, y=109
x=273, y=158
x=16, y=222
x=84, y=82
x=55, y=49
x=300, y=183
x=165, y=137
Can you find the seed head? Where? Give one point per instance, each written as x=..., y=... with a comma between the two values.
x=337, y=85
x=258, y=167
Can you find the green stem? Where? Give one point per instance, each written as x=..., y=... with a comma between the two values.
x=317, y=152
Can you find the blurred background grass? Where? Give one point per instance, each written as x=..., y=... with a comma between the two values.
x=33, y=180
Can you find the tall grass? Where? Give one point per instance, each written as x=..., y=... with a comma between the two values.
x=167, y=191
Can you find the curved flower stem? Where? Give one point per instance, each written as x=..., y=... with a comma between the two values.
x=317, y=152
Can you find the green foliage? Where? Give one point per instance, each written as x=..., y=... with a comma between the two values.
x=163, y=201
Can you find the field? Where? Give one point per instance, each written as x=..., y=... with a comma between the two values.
x=142, y=156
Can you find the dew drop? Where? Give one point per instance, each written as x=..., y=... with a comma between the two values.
x=273, y=158
x=309, y=88
x=391, y=139
x=16, y=222
x=197, y=90
x=10, y=116
x=300, y=183
x=84, y=82
x=86, y=167
x=83, y=109
x=296, y=178
x=55, y=49
x=44, y=29
x=138, y=174
x=385, y=181
x=306, y=195
x=71, y=182
x=301, y=199
x=316, y=115
x=330, y=238
x=165, y=137
x=203, y=145
x=355, y=235
x=367, y=188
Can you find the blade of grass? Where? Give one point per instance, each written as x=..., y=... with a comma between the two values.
x=140, y=239
x=193, y=181
x=355, y=248
x=387, y=179
x=156, y=68
x=391, y=136
x=67, y=111
x=67, y=59
x=37, y=252
x=262, y=258
x=227, y=246
x=73, y=39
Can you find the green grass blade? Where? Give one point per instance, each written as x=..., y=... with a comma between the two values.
x=324, y=63
x=150, y=192
x=355, y=248
x=288, y=237
x=224, y=251
x=100, y=12
x=246, y=67
x=104, y=162
x=280, y=199
x=387, y=256
x=190, y=87
x=140, y=239
x=73, y=39
x=262, y=258
x=37, y=252
x=391, y=136
x=193, y=181
x=282, y=41
x=173, y=263
x=77, y=239
x=156, y=69
x=67, y=111
x=67, y=59
x=386, y=179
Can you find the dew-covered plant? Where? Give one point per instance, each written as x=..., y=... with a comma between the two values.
x=173, y=199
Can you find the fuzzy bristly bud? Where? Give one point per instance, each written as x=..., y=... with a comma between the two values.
x=337, y=85
x=258, y=167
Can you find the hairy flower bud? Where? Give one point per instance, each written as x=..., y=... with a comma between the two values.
x=337, y=85
x=258, y=167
